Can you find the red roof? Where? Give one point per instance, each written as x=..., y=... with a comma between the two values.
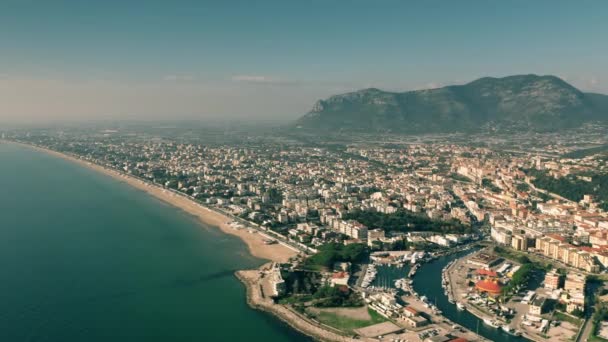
x=459, y=339
x=557, y=237
x=492, y=287
x=489, y=273
x=412, y=310
x=339, y=275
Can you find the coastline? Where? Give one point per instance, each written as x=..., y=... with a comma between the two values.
x=251, y=279
x=253, y=240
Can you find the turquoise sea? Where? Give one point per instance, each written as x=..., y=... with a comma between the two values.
x=84, y=257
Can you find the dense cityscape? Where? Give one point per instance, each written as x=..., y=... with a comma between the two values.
x=529, y=225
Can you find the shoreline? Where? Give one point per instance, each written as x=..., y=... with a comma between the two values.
x=252, y=239
x=252, y=279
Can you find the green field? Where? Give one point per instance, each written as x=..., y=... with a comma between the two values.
x=347, y=324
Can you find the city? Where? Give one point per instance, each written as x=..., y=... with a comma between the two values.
x=332, y=171
x=531, y=251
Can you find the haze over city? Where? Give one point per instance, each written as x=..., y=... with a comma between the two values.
x=138, y=60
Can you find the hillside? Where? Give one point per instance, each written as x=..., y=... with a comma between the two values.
x=525, y=101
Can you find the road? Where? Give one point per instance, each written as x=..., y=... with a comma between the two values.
x=592, y=290
x=586, y=331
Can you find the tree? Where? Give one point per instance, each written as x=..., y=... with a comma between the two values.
x=333, y=252
x=403, y=220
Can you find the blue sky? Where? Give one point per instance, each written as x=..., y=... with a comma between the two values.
x=272, y=59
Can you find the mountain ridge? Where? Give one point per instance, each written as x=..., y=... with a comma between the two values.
x=527, y=101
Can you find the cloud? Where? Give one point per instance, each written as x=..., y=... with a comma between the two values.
x=434, y=85
x=252, y=79
x=588, y=83
x=267, y=80
x=594, y=81
x=179, y=78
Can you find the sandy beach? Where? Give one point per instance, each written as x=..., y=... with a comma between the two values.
x=253, y=240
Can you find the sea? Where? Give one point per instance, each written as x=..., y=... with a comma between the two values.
x=85, y=257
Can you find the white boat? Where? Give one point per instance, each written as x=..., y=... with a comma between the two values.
x=460, y=306
x=491, y=323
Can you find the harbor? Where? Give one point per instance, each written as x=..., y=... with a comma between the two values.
x=423, y=319
x=474, y=283
x=431, y=282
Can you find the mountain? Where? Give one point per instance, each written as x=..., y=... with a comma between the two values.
x=523, y=101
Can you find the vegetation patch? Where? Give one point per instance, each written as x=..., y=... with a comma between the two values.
x=345, y=323
x=330, y=253
x=521, y=257
x=573, y=187
x=404, y=221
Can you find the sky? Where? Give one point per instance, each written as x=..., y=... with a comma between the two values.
x=173, y=59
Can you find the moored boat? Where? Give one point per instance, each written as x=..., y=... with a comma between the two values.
x=491, y=323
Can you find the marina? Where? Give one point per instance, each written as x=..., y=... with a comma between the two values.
x=429, y=283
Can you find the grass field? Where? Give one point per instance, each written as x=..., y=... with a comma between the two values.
x=348, y=324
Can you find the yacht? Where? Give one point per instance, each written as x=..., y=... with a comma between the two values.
x=490, y=322
x=460, y=306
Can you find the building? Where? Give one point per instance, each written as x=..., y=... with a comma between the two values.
x=491, y=287
x=375, y=235
x=519, y=242
x=501, y=236
x=575, y=282
x=440, y=240
x=339, y=278
x=574, y=286
x=483, y=260
x=552, y=280
x=352, y=228
x=415, y=321
x=555, y=247
x=276, y=280
x=537, y=306
x=412, y=318
x=487, y=273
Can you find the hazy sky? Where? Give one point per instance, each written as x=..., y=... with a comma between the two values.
x=66, y=60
